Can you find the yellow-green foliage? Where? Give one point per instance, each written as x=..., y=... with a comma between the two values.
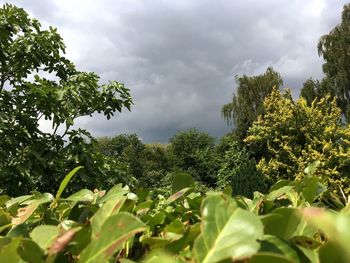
x=291, y=135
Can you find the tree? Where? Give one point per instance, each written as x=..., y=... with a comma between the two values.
x=247, y=103
x=155, y=157
x=335, y=49
x=311, y=90
x=126, y=149
x=29, y=156
x=238, y=170
x=291, y=135
x=194, y=152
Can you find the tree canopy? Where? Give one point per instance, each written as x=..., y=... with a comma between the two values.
x=37, y=81
x=247, y=102
x=291, y=135
x=334, y=47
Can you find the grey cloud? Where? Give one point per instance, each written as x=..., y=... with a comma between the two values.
x=179, y=58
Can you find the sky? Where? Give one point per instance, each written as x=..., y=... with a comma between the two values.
x=179, y=58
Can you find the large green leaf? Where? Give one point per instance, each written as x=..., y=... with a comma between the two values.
x=25, y=212
x=30, y=251
x=110, y=207
x=336, y=227
x=180, y=181
x=286, y=192
x=273, y=244
x=284, y=222
x=44, y=235
x=312, y=189
x=228, y=232
x=65, y=181
x=17, y=200
x=84, y=195
x=8, y=252
x=115, y=231
x=116, y=191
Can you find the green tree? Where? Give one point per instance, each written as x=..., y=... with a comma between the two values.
x=126, y=149
x=247, y=103
x=155, y=157
x=291, y=135
x=311, y=90
x=194, y=152
x=37, y=81
x=238, y=170
x=335, y=49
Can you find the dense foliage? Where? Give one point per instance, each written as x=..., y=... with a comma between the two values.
x=38, y=82
x=155, y=165
x=247, y=102
x=239, y=171
x=185, y=227
x=291, y=135
x=334, y=47
x=281, y=177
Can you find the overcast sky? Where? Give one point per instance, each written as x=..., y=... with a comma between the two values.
x=179, y=58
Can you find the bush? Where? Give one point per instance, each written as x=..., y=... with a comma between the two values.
x=238, y=170
x=291, y=135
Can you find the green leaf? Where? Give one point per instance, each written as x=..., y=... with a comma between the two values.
x=312, y=167
x=84, y=195
x=44, y=235
x=143, y=207
x=114, y=232
x=30, y=252
x=4, y=199
x=157, y=219
x=8, y=253
x=331, y=252
x=285, y=192
x=160, y=256
x=228, y=232
x=5, y=218
x=178, y=195
x=20, y=230
x=180, y=181
x=279, y=184
x=110, y=207
x=25, y=212
x=336, y=227
x=269, y=258
x=273, y=244
x=154, y=242
x=65, y=181
x=284, y=222
x=17, y=200
x=312, y=189
x=115, y=192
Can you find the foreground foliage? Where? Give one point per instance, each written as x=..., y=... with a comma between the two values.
x=289, y=224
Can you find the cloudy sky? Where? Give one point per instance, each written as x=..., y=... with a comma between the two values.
x=179, y=58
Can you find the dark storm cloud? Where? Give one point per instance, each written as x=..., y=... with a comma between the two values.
x=179, y=58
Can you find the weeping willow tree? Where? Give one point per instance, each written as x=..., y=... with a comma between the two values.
x=247, y=103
